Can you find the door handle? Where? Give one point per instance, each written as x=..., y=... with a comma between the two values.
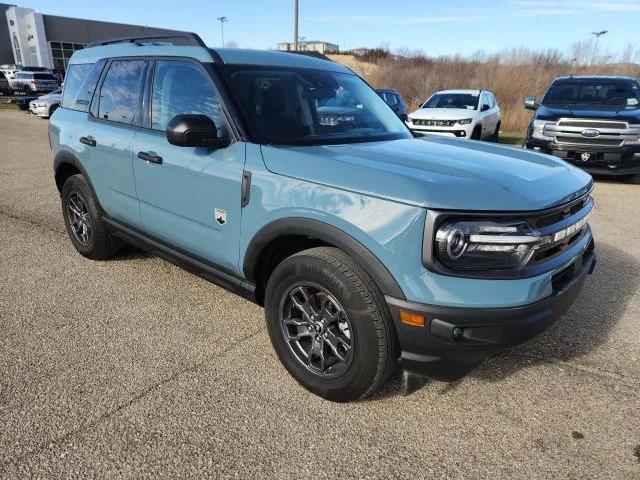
x=150, y=158
x=88, y=141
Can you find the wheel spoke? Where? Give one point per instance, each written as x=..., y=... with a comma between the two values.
x=316, y=351
x=329, y=311
x=339, y=347
x=301, y=329
x=302, y=301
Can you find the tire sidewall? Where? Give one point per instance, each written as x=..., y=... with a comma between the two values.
x=366, y=352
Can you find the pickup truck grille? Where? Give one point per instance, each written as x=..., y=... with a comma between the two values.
x=591, y=124
x=612, y=142
x=594, y=132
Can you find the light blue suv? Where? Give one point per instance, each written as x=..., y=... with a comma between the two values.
x=366, y=246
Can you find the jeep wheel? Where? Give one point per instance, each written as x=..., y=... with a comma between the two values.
x=329, y=325
x=83, y=221
x=477, y=133
x=496, y=133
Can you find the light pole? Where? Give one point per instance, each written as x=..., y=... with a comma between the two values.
x=295, y=25
x=595, y=46
x=222, y=20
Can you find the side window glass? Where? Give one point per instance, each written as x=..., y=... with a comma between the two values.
x=79, y=84
x=121, y=91
x=182, y=87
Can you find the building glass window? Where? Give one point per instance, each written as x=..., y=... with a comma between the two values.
x=61, y=53
x=16, y=46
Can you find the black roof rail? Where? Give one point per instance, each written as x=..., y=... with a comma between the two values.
x=193, y=39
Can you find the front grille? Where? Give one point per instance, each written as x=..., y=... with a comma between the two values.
x=612, y=142
x=434, y=123
x=561, y=214
x=591, y=124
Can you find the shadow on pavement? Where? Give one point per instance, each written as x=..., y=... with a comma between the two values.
x=585, y=326
x=581, y=330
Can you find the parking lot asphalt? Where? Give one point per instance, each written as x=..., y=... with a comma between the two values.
x=134, y=368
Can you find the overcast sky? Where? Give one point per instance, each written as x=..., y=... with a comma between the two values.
x=434, y=26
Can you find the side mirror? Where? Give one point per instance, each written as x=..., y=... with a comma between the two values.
x=530, y=103
x=191, y=130
x=485, y=107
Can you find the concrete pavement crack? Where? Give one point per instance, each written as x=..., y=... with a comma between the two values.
x=123, y=406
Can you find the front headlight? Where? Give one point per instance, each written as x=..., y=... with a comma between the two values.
x=466, y=121
x=486, y=244
x=538, y=129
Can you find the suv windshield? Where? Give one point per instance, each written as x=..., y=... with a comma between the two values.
x=299, y=106
x=599, y=92
x=466, y=101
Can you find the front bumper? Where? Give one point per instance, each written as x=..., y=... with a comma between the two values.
x=457, y=131
x=612, y=161
x=39, y=111
x=455, y=339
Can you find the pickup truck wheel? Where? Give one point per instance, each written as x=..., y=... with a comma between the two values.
x=83, y=221
x=329, y=325
x=477, y=133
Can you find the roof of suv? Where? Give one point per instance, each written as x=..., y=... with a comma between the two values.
x=587, y=78
x=468, y=91
x=229, y=56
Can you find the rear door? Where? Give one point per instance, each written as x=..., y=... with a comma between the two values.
x=107, y=136
x=190, y=197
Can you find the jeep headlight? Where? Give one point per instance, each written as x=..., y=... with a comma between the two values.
x=486, y=244
x=537, y=130
x=465, y=121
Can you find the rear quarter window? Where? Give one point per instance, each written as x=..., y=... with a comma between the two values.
x=79, y=84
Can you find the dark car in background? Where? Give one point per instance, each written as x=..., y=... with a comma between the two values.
x=5, y=90
x=592, y=122
x=395, y=101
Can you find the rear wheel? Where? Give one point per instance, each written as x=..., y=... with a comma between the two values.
x=329, y=325
x=83, y=220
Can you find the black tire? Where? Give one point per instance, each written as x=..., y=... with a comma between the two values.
x=477, y=133
x=52, y=109
x=374, y=345
x=632, y=179
x=99, y=243
x=496, y=133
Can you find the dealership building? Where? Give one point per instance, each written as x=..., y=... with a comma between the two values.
x=33, y=39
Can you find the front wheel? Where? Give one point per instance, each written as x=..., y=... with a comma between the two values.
x=477, y=133
x=329, y=325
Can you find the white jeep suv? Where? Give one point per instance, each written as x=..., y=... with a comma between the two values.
x=460, y=113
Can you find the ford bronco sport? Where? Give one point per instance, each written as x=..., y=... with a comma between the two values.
x=366, y=246
x=592, y=122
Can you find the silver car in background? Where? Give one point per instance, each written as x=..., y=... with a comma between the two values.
x=27, y=83
x=45, y=105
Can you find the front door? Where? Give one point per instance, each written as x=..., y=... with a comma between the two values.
x=189, y=197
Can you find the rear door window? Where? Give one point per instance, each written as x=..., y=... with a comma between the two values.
x=79, y=85
x=121, y=91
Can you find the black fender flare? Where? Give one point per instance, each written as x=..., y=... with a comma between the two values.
x=326, y=233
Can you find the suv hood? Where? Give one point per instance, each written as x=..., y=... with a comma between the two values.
x=553, y=113
x=437, y=173
x=443, y=113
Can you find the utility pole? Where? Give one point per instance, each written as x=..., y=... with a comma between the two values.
x=595, y=46
x=295, y=25
x=222, y=20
